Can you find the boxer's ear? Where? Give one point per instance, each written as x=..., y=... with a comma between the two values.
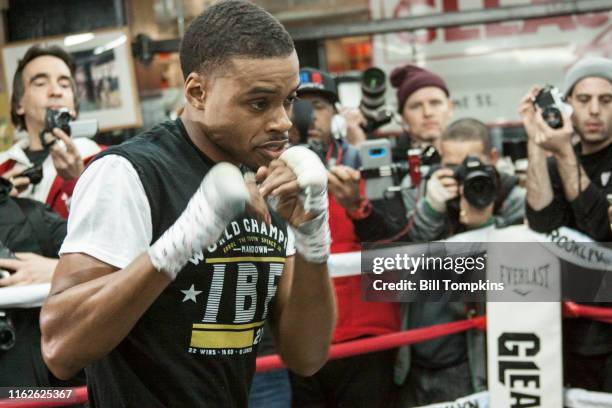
x=195, y=90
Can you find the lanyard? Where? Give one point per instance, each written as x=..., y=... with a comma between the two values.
x=334, y=154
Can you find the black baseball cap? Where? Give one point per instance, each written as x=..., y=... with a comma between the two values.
x=316, y=81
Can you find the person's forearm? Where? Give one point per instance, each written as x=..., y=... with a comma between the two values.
x=83, y=323
x=355, y=135
x=572, y=174
x=308, y=318
x=539, y=187
x=427, y=223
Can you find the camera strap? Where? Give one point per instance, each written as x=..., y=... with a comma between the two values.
x=334, y=154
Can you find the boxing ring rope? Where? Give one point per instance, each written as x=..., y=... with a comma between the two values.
x=341, y=265
x=363, y=346
x=383, y=342
x=601, y=314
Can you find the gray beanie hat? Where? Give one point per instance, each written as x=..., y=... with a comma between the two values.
x=587, y=67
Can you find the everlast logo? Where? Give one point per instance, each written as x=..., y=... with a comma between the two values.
x=522, y=279
x=517, y=369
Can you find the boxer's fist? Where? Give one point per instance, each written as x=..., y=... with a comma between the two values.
x=221, y=197
x=311, y=177
x=297, y=184
x=225, y=191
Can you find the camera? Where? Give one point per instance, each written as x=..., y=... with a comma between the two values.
x=62, y=119
x=550, y=100
x=58, y=118
x=372, y=106
x=34, y=174
x=479, y=181
x=382, y=175
x=7, y=332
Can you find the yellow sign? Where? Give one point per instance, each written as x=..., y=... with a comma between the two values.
x=6, y=130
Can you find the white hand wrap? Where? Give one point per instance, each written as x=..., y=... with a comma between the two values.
x=312, y=238
x=221, y=197
x=437, y=195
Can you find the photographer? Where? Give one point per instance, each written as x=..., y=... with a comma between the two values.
x=439, y=203
x=570, y=188
x=326, y=134
x=441, y=206
x=44, y=80
x=426, y=108
x=363, y=380
x=423, y=101
x=465, y=193
x=35, y=233
x=567, y=186
x=427, y=213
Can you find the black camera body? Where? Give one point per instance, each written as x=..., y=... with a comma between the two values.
x=34, y=174
x=479, y=181
x=58, y=118
x=549, y=99
x=7, y=332
x=62, y=118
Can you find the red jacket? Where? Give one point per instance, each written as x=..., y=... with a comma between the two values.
x=356, y=318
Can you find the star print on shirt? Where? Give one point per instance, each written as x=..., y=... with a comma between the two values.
x=191, y=293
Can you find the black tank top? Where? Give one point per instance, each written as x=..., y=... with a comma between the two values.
x=196, y=345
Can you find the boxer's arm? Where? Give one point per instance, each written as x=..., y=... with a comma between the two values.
x=304, y=315
x=92, y=307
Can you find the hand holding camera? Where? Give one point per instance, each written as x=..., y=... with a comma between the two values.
x=13, y=182
x=355, y=122
x=66, y=158
x=441, y=188
x=63, y=119
x=343, y=183
x=473, y=180
x=547, y=119
x=61, y=126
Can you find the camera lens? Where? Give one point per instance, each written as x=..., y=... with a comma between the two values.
x=373, y=87
x=552, y=116
x=63, y=118
x=7, y=334
x=548, y=99
x=59, y=118
x=479, y=189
